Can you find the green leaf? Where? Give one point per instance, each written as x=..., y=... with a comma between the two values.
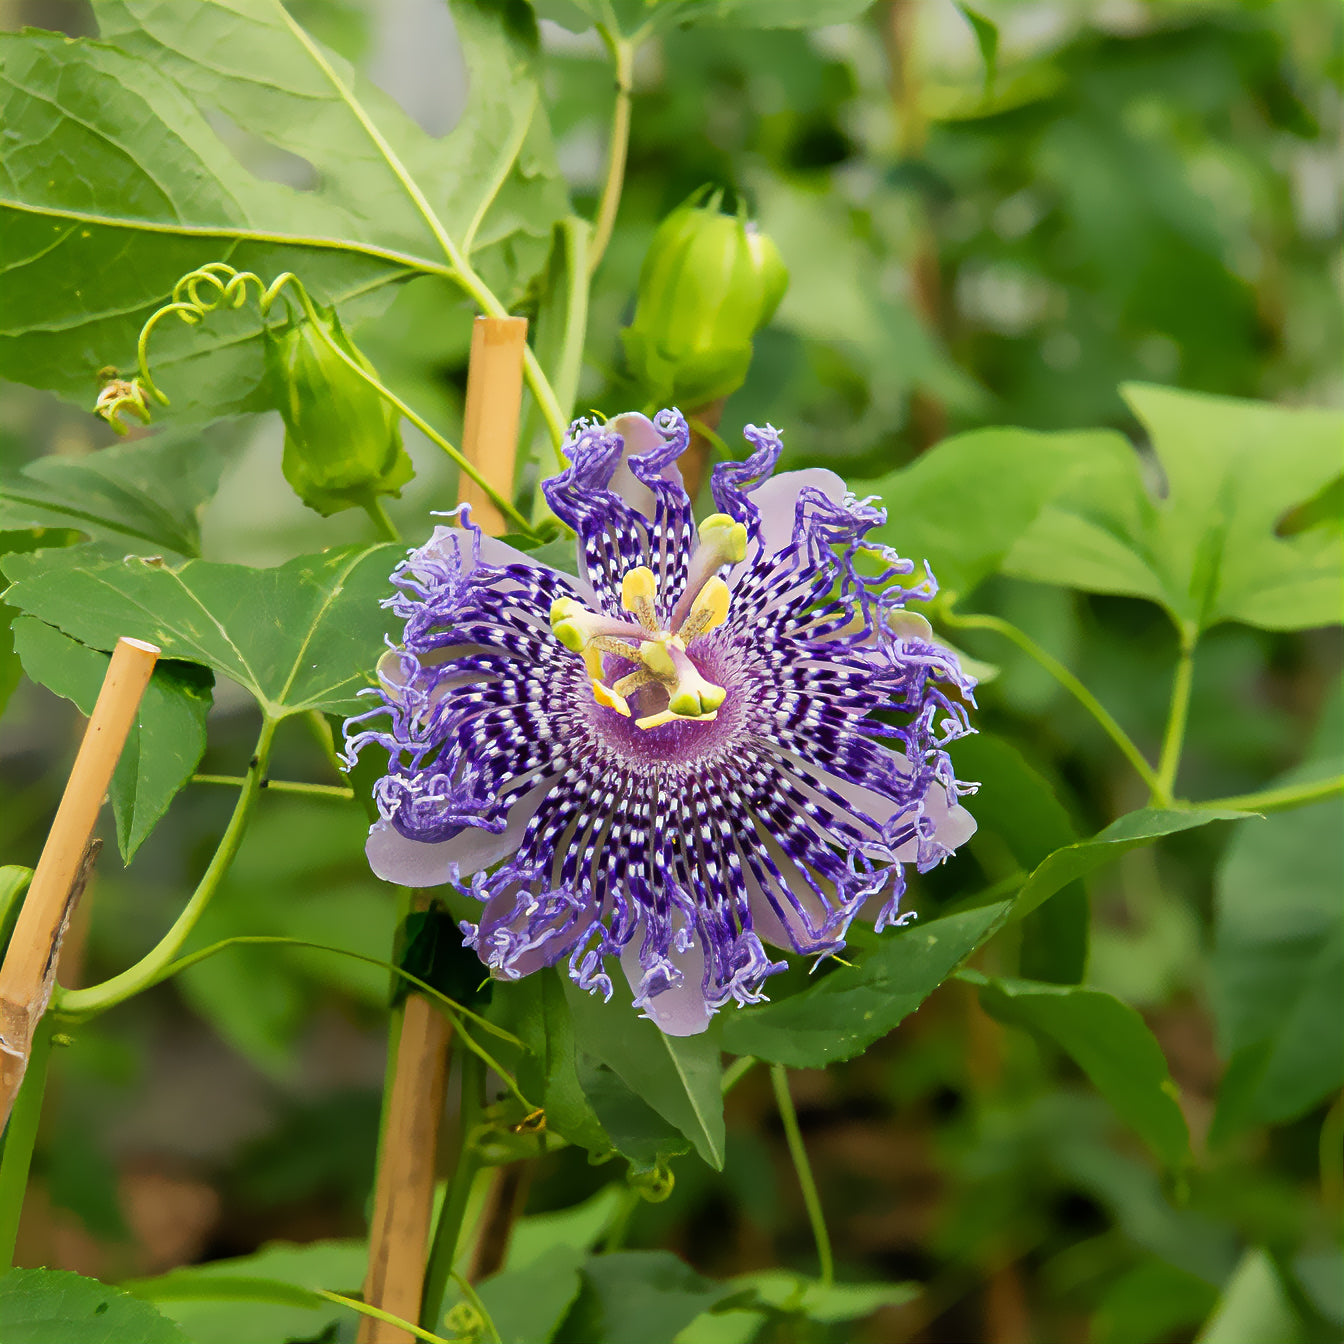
x=1152, y=1301
x=259, y=1298
x=1255, y=1305
x=854, y=1006
x=1110, y=1042
x=528, y=1305
x=149, y=190
x=645, y=18
x=14, y=882
x=1018, y=808
x=639, y=1297
x=1278, y=956
x=637, y=1131
x=679, y=1076
x=1209, y=551
x=429, y=947
x=987, y=39
x=302, y=636
x=165, y=742
x=580, y=1226
x=781, y=1290
x=536, y=1011
x=44, y=1306
x=1128, y=832
x=146, y=497
x=24, y=539
x=964, y=504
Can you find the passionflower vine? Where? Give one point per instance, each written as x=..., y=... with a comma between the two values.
x=716, y=738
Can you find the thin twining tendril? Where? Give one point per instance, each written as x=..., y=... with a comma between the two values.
x=217, y=285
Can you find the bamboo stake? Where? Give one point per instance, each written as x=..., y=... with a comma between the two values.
x=404, y=1191
x=29, y=970
x=490, y=421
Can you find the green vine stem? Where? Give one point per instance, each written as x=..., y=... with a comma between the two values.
x=735, y=1072
x=83, y=1003
x=622, y=54
x=20, y=1138
x=222, y=285
x=1280, y=799
x=1169, y=763
x=779, y=1078
x=387, y=529
x=279, y=786
x=1074, y=687
x=448, y=1229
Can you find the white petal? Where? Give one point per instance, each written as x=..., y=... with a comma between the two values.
x=680, y=1010
x=421, y=863
x=777, y=500
x=641, y=436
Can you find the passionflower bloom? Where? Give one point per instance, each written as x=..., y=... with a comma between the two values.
x=716, y=738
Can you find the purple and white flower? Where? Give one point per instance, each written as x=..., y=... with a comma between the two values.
x=717, y=738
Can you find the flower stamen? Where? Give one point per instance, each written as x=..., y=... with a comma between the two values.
x=660, y=655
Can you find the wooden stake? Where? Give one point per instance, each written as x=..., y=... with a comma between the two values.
x=29, y=970
x=404, y=1191
x=490, y=419
x=404, y=1197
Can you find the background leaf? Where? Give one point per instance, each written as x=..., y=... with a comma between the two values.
x=1110, y=1042
x=302, y=636
x=1208, y=551
x=1018, y=807
x=962, y=505
x=1278, y=954
x=145, y=496
x=638, y=1297
x=165, y=742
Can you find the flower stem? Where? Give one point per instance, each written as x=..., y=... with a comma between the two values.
x=618, y=145
x=387, y=529
x=1174, y=738
x=779, y=1078
x=85, y=1003
x=448, y=1230
x=1278, y=800
x=20, y=1137
x=279, y=786
x=736, y=1071
x=1070, y=683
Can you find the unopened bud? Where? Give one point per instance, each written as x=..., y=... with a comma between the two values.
x=342, y=441
x=709, y=283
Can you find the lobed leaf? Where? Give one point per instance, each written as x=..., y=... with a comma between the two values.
x=301, y=636
x=166, y=741
x=150, y=189
x=1210, y=550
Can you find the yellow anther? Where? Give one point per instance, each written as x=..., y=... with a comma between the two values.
x=638, y=590
x=709, y=609
x=655, y=657
x=604, y=695
x=724, y=538
x=695, y=697
x=568, y=619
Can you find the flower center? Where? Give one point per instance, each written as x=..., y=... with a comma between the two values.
x=659, y=653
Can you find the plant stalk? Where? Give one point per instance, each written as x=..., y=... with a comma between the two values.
x=779, y=1078
x=20, y=1138
x=85, y=1003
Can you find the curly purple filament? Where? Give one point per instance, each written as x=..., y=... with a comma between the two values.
x=740, y=740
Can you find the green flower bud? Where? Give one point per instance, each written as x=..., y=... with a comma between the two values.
x=342, y=441
x=709, y=283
